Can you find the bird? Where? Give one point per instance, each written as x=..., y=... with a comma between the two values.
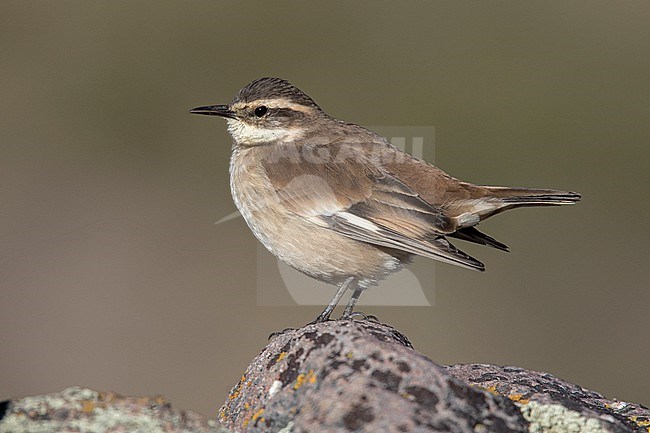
x=342, y=204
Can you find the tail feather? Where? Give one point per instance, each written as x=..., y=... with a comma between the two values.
x=533, y=197
x=471, y=234
x=491, y=200
x=453, y=255
x=487, y=201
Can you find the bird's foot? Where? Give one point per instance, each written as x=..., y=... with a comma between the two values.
x=276, y=333
x=358, y=315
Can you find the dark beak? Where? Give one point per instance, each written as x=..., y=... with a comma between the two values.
x=215, y=110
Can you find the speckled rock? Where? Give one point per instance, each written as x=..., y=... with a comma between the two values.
x=84, y=410
x=358, y=376
x=346, y=376
x=553, y=405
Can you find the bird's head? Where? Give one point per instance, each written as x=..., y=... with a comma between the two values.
x=266, y=111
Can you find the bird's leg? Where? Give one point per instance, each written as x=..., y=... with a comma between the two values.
x=327, y=312
x=348, y=312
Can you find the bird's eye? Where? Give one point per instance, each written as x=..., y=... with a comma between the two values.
x=261, y=110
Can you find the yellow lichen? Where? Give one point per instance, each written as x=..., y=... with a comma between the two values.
x=518, y=398
x=254, y=418
x=299, y=381
x=235, y=391
x=303, y=378
x=281, y=356
x=257, y=415
x=640, y=423
x=492, y=389
x=88, y=406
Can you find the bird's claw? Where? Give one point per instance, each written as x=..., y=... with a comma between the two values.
x=358, y=315
x=276, y=333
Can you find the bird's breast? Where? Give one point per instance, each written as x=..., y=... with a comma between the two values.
x=254, y=195
x=309, y=248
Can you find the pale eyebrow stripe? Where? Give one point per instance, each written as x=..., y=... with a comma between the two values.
x=278, y=103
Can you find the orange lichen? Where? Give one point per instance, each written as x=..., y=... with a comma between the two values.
x=299, y=381
x=281, y=356
x=641, y=423
x=303, y=378
x=518, y=398
x=257, y=415
x=491, y=389
x=235, y=391
x=88, y=406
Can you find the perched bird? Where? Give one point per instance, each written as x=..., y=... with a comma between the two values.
x=342, y=204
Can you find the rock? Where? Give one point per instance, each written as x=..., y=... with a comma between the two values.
x=362, y=376
x=84, y=410
x=358, y=376
x=346, y=376
x=553, y=405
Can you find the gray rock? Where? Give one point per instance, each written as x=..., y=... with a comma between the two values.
x=346, y=376
x=358, y=376
x=553, y=405
x=84, y=410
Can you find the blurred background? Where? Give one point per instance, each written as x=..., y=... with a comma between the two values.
x=113, y=274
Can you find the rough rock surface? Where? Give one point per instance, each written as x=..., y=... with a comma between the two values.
x=84, y=410
x=346, y=376
x=551, y=404
x=358, y=376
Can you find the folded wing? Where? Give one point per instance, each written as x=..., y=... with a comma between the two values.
x=357, y=199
